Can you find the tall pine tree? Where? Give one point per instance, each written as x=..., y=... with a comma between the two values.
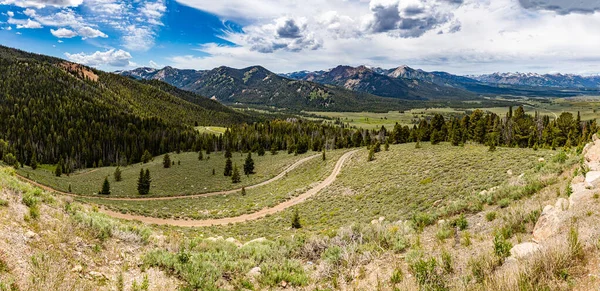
x=249, y=165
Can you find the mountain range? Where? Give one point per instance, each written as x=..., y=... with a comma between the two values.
x=545, y=80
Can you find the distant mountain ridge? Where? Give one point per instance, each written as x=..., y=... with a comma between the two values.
x=343, y=89
x=541, y=80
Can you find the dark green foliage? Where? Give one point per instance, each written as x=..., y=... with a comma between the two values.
x=11, y=160
x=387, y=145
x=105, y=187
x=427, y=274
x=249, y=165
x=296, y=219
x=117, y=174
x=200, y=156
x=228, y=168
x=33, y=162
x=502, y=246
x=144, y=181
x=243, y=191
x=167, y=161
x=228, y=154
x=235, y=175
x=146, y=157
x=70, y=190
x=461, y=222
x=323, y=156
x=58, y=171
x=261, y=151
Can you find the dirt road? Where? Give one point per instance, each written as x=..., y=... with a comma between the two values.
x=281, y=175
x=242, y=218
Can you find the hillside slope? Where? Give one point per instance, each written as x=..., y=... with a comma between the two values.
x=55, y=110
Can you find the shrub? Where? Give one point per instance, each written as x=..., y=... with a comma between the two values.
x=561, y=157
x=422, y=219
x=461, y=222
x=490, y=216
x=296, y=219
x=3, y=202
x=397, y=276
x=427, y=275
x=504, y=203
x=501, y=246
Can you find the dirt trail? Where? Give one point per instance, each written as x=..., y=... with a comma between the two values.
x=242, y=218
x=281, y=175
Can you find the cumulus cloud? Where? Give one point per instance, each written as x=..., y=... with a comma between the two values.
x=411, y=18
x=42, y=3
x=153, y=64
x=287, y=28
x=63, y=33
x=88, y=32
x=25, y=23
x=115, y=58
x=562, y=6
x=10, y=14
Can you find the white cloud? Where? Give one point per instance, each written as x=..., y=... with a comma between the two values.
x=138, y=38
x=88, y=32
x=60, y=41
x=497, y=35
x=42, y=3
x=115, y=58
x=29, y=12
x=25, y=23
x=63, y=33
x=153, y=64
x=10, y=14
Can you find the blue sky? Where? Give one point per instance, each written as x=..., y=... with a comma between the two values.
x=458, y=36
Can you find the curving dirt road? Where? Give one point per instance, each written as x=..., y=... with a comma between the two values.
x=281, y=175
x=242, y=218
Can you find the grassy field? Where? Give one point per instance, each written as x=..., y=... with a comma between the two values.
x=398, y=184
x=553, y=107
x=191, y=176
x=294, y=183
x=211, y=129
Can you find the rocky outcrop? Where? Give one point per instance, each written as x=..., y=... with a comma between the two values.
x=556, y=216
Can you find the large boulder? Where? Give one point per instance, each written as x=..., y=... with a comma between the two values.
x=593, y=178
x=548, y=224
x=523, y=250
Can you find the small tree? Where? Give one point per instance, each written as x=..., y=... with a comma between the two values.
x=387, y=145
x=146, y=157
x=377, y=147
x=105, y=187
x=117, y=174
x=243, y=191
x=143, y=182
x=418, y=145
x=323, y=156
x=11, y=160
x=200, y=156
x=261, y=151
x=33, y=162
x=273, y=150
x=166, y=161
x=296, y=219
x=235, y=176
x=228, y=154
x=371, y=154
x=213, y=172
x=59, y=170
x=70, y=190
x=228, y=167
x=249, y=165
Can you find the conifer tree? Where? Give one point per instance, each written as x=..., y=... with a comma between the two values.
x=228, y=154
x=273, y=150
x=296, y=219
x=105, y=187
x=387, y=145
x=147, y=180
x=228, y=167
x=213, y=172
x=249, y=165
x=261, y=151
x=371, y=154
x=117, y=174
x=323, y=155
x=200, y=156
x=69, y=188
x=166, y=161
x=59, y=170
x=34, y=161
x=146, y=157
x=144, y=182
x=243, y=191
x=235, y=176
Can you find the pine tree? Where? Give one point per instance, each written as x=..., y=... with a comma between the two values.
x=59, y=170
x=147, y=181
x=142, y=183
x=296, y=220
x=261, y=151
x=105, y=187
x=213, y=172
x=235, y=176
x=228, y=167
x=117, y=174
x=166, y=161
x=273, y=150
x=249, y=165
x=70, y=188
x=323, y=155
x=200, y=156
x=34, y=161
x=146, y=157
x=243, y=191
x=418, y=144
x=387, y=145
x=371, y=154
x=228, y=154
